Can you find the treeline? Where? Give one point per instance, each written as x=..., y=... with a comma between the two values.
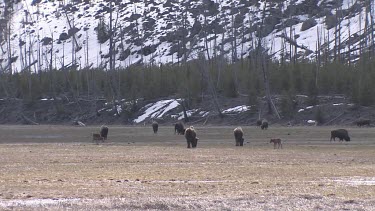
x=192, y=81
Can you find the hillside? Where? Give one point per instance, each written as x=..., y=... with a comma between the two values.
x=43, y=34
x=334, y=110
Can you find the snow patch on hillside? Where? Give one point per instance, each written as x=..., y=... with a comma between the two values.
x=237, y=109
x=157, y=110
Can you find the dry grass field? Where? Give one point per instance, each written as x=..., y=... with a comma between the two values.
x=59, y=168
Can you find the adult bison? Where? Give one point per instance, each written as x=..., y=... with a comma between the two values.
x=264, y=125
x=259, y=122
x=155, y=127
x=238, y=136
x=363, y=122
x=191, y=137
x=179, y=128
x=342, y=134
x=104, y=132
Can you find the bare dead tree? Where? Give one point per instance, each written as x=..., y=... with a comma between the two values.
x=371, y=28
x=339, y=34
x=206, y=75
x=262, y=60
x=205, y=35
x=349, y=41
x=318, y=44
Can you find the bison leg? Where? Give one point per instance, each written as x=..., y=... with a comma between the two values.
x=241, y=143
x=274, y=145
x=188, y=144
x=237, y=143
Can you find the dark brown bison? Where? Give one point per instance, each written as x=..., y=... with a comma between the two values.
x=155, y=127
x=259, y=122
x=264, y=125
x=104, y=132
x=363, y=122
x=342, y=134
x=179, y=128
x=276, y=142
x=238, y=135
x=191, y=137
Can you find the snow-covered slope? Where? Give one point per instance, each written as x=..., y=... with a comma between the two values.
x=162, y=31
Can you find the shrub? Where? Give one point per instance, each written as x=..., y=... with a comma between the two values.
x=287, y=105
x=319, y=116
x=102, y=31
x=308, y=24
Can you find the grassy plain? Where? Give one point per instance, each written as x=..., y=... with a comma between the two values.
x=58, y=167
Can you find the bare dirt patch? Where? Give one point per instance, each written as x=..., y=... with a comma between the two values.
x=137, y=170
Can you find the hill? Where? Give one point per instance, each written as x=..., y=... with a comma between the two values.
x=47, y=34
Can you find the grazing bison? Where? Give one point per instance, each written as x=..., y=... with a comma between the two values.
x=97, y=137
x=363, y=122
x=191, y=137
x=259, y=122
x=104, y=132
x=264, y=125
x=342, y=134
x=155, y=127
x=179, y=128
x=238, y=135
x=276, y=141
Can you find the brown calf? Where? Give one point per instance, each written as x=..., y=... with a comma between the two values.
x=276, y=141
x=97, y=137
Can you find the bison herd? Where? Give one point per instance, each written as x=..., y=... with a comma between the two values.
x=192, y=139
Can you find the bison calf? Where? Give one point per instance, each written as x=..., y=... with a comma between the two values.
x=342, y=134
x=276, y=141
x=191, y=137
x=238, y=135
x=179, y=128
x=155, y=127
x=104, y=132
x=96, y=137
x=264, y=125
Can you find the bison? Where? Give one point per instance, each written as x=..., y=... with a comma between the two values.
x=191, y=137
x=363, y=122
x=264, y=125
x=238, y=135
x=155, y=127
x=276, y=141
x=104, y=132
x=179, y=128
x=259, y=122
x=97, y=137
x=342, y=134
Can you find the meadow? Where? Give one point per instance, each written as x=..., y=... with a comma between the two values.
x=47, y=167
